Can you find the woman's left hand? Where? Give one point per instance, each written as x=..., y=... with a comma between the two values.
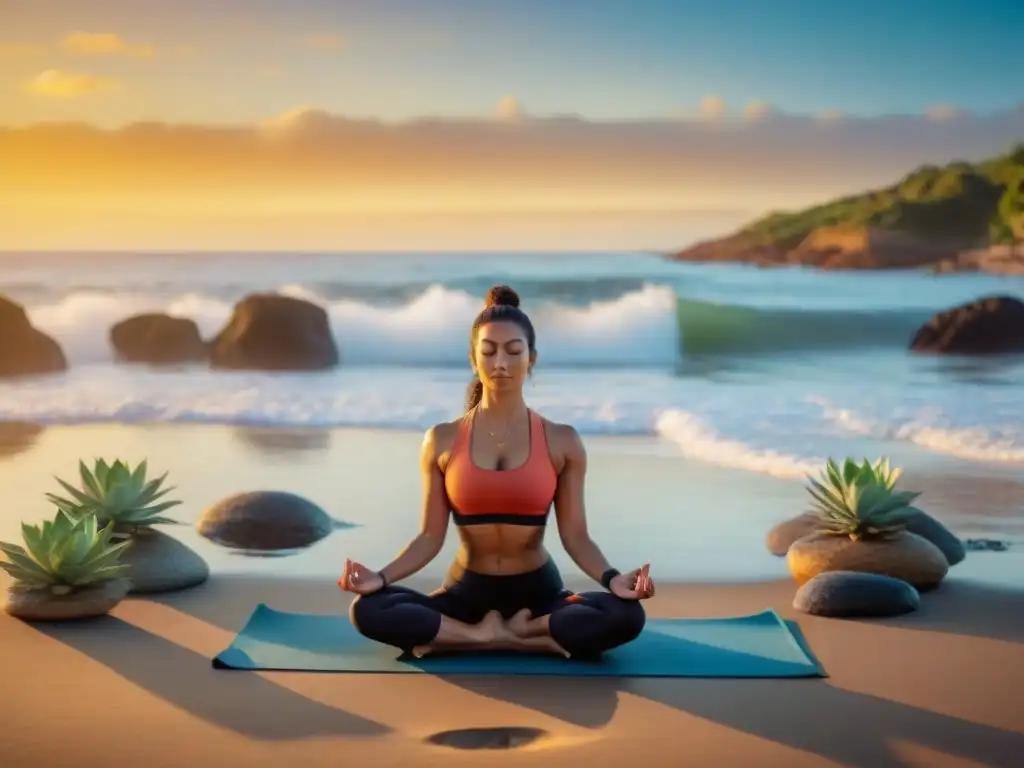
x=635, y=585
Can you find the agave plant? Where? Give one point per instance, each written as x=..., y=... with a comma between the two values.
x=116, y=494
x=861, y=500
x=64, y=554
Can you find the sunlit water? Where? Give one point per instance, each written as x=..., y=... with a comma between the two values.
x=762, y=372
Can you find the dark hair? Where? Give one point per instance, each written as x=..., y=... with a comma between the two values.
x=500, y=306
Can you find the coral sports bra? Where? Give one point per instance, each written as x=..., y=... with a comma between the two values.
x=519, y=496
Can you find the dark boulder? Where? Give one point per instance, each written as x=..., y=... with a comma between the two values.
x=275, y=333
x=157, y=339
x=25, y=350
x=927, y=527
x=265, y=521
x=852, y=594
x=987, y=326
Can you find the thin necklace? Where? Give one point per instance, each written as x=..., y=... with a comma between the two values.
x=501, y=443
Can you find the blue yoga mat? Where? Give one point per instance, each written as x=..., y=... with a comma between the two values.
x=761, y=645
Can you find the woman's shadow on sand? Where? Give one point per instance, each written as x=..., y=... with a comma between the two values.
x=247, y=704
x=860, y=729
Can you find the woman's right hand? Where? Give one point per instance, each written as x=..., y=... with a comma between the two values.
x=357, y=578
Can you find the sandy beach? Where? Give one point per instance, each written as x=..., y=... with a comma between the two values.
x=938, y=688
x=935, y=688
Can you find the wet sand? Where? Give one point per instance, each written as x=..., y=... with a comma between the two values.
x=940, y=687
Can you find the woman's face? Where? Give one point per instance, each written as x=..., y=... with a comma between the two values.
x=501, y=357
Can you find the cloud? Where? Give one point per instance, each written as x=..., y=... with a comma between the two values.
x=327, y=43
x=758, y=110
x=105, y=44
x=944, y=112
x=510, y=109
x=58, y=84
x=712, y=107
x=832, y=116
x=310, y=159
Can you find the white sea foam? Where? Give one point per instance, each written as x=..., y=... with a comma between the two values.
x=934, y=429
x=636, y=329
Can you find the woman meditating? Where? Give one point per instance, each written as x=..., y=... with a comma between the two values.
x=497, y=471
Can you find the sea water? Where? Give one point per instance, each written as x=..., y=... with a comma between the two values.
x=764, y=372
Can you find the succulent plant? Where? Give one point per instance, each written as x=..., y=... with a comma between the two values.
x=117, y=494
x=861, y=500
x=64, y=554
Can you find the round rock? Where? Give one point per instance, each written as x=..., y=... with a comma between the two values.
x=905, y=556
x=927, y=527
x=989, y=325
x=25, y=350
x=782, y=536
x=276, y=333
x=849, y=594
x=265, y=520
x=161, y=563
x=41, y=605
x=157, y=339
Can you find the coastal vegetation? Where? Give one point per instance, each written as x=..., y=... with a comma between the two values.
x=971, y=204
x=100, y=546
x=116, y=494
x=67, y=567
x=858, y=523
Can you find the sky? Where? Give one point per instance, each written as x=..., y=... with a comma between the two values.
x=197, y=118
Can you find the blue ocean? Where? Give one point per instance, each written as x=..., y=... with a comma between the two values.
x=762, y=370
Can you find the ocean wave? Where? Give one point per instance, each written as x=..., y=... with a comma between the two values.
x=933, y=429
x=708, y=328
x=697, y=440
x=647, y=326
x=569, y=291
x=710, y=428
x=636, y=329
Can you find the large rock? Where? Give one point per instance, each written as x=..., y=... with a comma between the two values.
x=839, y=247
x=25, y=350
x=161, y=563
x=782, y=536
x=856, y=595
x=277, y=333
x=265, y=520
x=989, y=325
x=904, y=556
x=927, y=527
x=41, y=605
x=157, y=339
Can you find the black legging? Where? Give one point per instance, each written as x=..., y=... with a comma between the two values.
x=585, y=624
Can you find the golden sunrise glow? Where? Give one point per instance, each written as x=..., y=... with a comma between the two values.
x=105, y=44
x=135, y=124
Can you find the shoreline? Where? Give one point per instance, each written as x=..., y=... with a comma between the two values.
x=646, y=502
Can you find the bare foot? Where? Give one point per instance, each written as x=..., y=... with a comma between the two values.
x=490, y=631
x=519, y=623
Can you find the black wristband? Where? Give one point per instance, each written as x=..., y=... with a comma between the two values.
x=383, y=579
x=607, y=576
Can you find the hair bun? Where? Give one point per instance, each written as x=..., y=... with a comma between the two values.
x=502, y=296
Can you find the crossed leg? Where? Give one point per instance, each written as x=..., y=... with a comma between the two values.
x=583, y=625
